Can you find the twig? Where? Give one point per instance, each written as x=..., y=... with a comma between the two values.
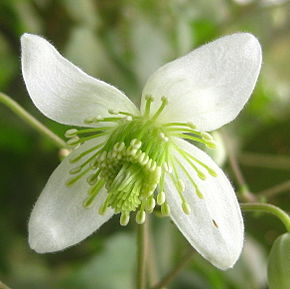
x=32, y=121
x=3, y=286
x=265, y=160
x=246, y=195
x=174, y=272
x=275, y=190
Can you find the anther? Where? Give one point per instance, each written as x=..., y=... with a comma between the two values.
x=75, y=170
x=150, y=204
x=89, y=120
x=124, y=218
x=160, y=198
x=140, y=217
x=164, y=101
x=92, y=179
x=181, y=185
x=103, y=209
x=191, y=125
x=206, y=136
x=73, y=141
x=128, y=118
x=165, y=210
x=71, y=133
x=186, y=208
x=211, y=145
x=136, y=143
x=113, y=111
x=163, y=137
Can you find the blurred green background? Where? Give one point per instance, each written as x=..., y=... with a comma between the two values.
x=122, y=42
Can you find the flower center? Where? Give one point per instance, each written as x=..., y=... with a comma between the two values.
x=133, y=160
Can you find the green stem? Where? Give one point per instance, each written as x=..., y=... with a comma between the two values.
x=267, y=208
x=28, y=118
x=3, y=286
x=141, y=256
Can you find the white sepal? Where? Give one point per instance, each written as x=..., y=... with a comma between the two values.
x=215, y=226
x=58, y=219
x=62, y=91
x=210, y=85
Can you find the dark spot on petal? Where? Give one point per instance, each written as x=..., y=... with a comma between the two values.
x=214, y=222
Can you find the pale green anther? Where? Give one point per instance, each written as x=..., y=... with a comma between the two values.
x=211, y=145
x=103, y=209
x=198, y=193
x=181, y=186
x=206, y=136
x=191, y=125
x=112, y=111
x=145, y=160
x=92, y=179
x=165, y=210
x=136, y=143
x=150, y=204
x=201, y=175
x=89, y=120
x=124, y=219
x=212, y=172
x=185, y=208
x=140, y=217
x=70, y=133
x=73, y=141
x=167, y=168
x=164, y=137
x=75, y=170
x=160, y=198
x=88, y=201
x=149, y=98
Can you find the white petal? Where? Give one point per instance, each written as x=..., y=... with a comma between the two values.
x=210, y=85
x=215, y=226
x=58, y=219
x=62, y=91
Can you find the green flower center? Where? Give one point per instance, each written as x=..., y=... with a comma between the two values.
x=132, y=162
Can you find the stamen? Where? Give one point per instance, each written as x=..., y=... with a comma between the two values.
x=197, y=191
x=149, y=99
x=150, y=204
x=210, y=171
x=140, y=217
x=125, y=218
x=93, y=192
x=186, y=208
x=164, y=101
x=74, y=179
x=71, y=133
x=165, y=209
x=81, y=155
x=160, y=198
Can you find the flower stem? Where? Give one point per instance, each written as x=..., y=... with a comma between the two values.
x=174, y=272
x=268, y=208
x=246, y=195
x=28, y=118
x=141, y=255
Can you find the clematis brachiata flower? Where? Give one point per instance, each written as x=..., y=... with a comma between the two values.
x=127, y=160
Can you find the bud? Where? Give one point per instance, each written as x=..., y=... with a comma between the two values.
x=279, y=263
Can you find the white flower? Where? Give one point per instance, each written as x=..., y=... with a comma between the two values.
x=127, y=159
